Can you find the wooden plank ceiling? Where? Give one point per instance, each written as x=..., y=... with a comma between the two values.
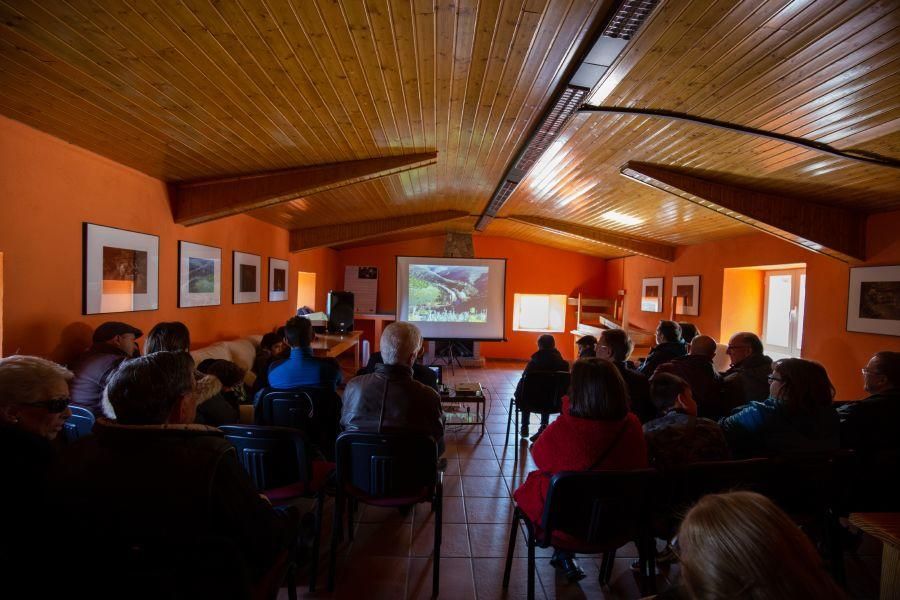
x=197, y=89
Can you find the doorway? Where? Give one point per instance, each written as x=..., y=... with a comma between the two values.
x=785, y=297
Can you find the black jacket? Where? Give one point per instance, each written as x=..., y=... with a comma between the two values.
x=660, y=354
x=746, y=382
x=545, y=359
x=421, y=373
x=871, y=424
x=706, y=385
x=638, y=387
x=92, y=372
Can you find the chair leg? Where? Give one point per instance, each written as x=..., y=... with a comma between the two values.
x=314, y=561
x=512, y=547
x=438, y=530
x=509, y=416
x=647, y=553
x=606, y=567
x=290, y=580
x=531, y=561
x=351, y=512
x=336, y=536
x=834, y=548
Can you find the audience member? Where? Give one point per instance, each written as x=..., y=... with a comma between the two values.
x=155, y=476
x=303, y=369
x=678, y=436
x=227, y=408
x=798, y=416
x=747, y=379
x=174, y=336
x=871, y=424
x=697, y=369
x=669, y=345
x=390, y=400
x=113, y=342
x=595, y=431
x=616, y=346
x=547, y=358
x=741, y=545
x=421, y=373
x=587, y=346
x=688, y=331
x=271, y=348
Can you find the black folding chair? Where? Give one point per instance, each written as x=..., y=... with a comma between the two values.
x=589, y=512
x=314, y=411
x=279, y=462
x=80, y=424
x=387, y=469
x=541, y=392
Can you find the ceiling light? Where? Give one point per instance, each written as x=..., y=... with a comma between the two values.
x=621, y=218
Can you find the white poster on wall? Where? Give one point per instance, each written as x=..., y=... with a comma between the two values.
x=363, y=282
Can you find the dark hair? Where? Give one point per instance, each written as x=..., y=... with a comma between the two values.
x=688, y=331
x=168, y=337
x=889, y=366
x=664, y=390
x=280, y=332
x=144, y=390
x=546, y=341
x=269, y=340
x=752, y=340
x=298, y=332
x=618, y=341
x=804, y=385
x=598, y=391
x=670, y=330
x=224, y=370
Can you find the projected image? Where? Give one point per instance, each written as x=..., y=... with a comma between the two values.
x=448, y=293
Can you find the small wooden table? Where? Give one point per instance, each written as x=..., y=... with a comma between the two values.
x=334, y=344
x=885, y=527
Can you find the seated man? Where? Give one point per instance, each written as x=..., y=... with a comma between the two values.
x=748, y=378
x=421, y=373
x=871, y=424
x=678, y=436
x=390, y=400
x=155, y=478
x=697, y=369
x=547, y=358
x=113, y=342
x=669, y=345
x=616, y=346
x=587, y=346
x=303, y=369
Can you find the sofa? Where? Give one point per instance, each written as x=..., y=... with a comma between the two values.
x=242, y=352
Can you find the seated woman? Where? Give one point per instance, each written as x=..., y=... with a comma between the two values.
x=595, y=431
x=217, y=413
x=740, y=545
x=798, y=416
x=271, y=348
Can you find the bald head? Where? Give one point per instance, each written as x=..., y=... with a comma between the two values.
x=703, y=345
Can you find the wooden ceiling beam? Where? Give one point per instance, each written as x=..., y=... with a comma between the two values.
x=829, y=230
x=617, y=240
x=201, y=201
x=332, y=235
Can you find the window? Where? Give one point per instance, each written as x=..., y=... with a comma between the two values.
x=539, y=312
x=783, y=312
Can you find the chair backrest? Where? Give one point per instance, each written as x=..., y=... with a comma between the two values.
x=285, y=408
x=274, y=457
x=542, y=391
x=599, y=508
x=80, y=424
x=805, y=483
x=682, y=488
x=386, y=465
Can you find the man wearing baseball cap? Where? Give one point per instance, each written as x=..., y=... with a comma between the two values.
x=113, y=342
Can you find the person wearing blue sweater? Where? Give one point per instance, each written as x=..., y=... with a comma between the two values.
x=302, y=369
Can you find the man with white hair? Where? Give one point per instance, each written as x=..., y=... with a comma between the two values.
x=390, y=400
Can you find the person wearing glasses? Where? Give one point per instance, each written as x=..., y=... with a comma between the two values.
x=34, y=406
x=871, y=424
x=669, y=345
x=747, y=379
x=616, y=346
x=797, y=417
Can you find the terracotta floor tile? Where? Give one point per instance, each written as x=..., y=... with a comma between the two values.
x=488, y=510
x=381, y=514
x=371, y=577
x=456, y=579
x=489, y=580
x=484, y=487
x=381, y=539
x=452, y=485
x=454, y=540
x=479, y=467
x=482, y=451
x=492, y=541
x=454, y=511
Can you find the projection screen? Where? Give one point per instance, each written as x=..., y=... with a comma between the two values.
x=453, y=298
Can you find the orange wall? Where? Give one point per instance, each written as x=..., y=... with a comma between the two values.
x=743, y=291
x=825, y=336
x=324, y=263
x=530, y=268
x=48, y=188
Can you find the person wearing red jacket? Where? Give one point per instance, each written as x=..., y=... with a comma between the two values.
x=595, y=431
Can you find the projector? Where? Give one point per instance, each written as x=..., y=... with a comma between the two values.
x=468, y=389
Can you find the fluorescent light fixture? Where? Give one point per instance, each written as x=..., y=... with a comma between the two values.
x=621, y=218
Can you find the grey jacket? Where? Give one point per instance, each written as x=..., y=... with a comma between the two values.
x=390, y=401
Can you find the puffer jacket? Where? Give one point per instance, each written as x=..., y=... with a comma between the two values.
x=390, y=400
x=769, y=429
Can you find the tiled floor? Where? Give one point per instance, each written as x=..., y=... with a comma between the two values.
x=390, y=555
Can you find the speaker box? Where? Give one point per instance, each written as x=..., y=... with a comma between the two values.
x=340, y=312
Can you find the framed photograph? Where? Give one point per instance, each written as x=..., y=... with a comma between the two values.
x=199, y=275
x=686, y=295
x=120, y=270
x=246, y=277
x=874, y=303
x=652, y=294
x=278, y=280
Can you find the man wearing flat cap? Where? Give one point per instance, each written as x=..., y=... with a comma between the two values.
x=113, y=342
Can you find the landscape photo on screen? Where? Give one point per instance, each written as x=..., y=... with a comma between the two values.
x=448, y=293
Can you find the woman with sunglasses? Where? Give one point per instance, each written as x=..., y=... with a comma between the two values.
x=797, y=418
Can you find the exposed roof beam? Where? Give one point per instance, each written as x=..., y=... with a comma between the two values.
x=617, y=240
x=197, y=202
x=828, y=230
x=332, y=235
